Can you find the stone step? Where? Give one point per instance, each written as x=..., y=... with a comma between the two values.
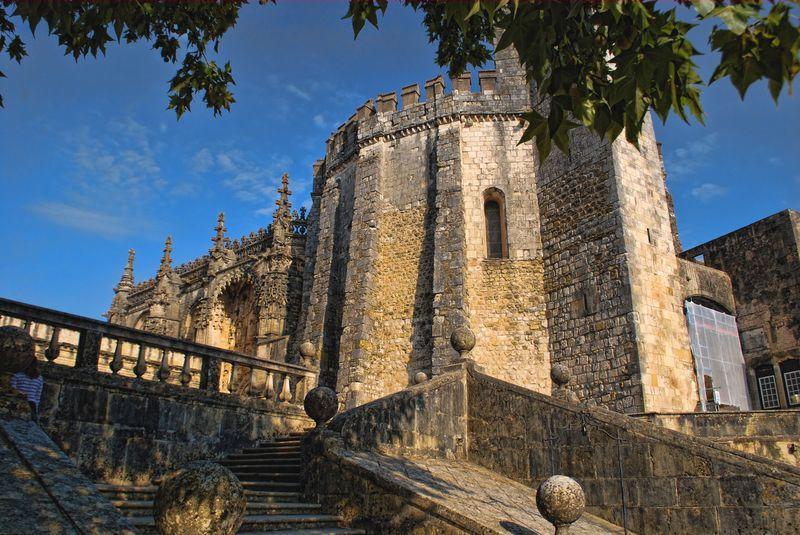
x=283, y=440
x=278, y=477
x=312, y=531
x=271, y=496
x=145, y=508
x=286, y=457
x=284, y=522
x=267, y=496
x=270, y=523
x=125, y=488
x=267, y=467
x=273, y=486
x=274, y=448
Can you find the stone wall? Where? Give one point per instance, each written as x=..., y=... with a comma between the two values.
x=589, y=306
x=670, y=482
x=763, y=262
x=505, y=297
x=43, y=491
x=507, y=314
x=121, y=430
x=771, y=434
x=331, y=218
x=673, y=483
x=426, y=419
x=707, y=283
x=610, y=274
x=662, y=339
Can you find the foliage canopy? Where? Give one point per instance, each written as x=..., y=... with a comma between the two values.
x=600, y=63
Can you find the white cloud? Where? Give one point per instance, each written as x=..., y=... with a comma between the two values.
x=117, y=164
x=267, y=211
x=305, y=95
x=85, y=219
x=708, y=191
x=251, y=178
x=202, y=161
x=686, y=159
x=319, y=120
x=774, y=160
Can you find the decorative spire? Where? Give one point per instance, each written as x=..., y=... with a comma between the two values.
x=284, y=211
x=166, y=259
x=126, y=281
x=219, y=238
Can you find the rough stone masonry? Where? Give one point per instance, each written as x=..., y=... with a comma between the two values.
x=431, y=216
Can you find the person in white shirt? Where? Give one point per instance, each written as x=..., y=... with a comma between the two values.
x=30, y=383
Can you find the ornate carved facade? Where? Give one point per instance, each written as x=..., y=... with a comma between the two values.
x=242, y=296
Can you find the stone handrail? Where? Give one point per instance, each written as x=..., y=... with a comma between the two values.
x=246, y=375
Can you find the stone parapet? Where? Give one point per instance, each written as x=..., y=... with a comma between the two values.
x=650, y=478
x=771, y=434
x=386, y=121
x=121, y=430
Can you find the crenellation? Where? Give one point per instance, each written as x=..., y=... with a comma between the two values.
x=434, y=88
x=487, y=81
x=387, y=102
x=410, y=95
x=462, y=84
x=365, y=111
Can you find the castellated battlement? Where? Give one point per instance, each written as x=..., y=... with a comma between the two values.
x=392, y=114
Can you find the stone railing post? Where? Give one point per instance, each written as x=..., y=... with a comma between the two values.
x=116, y=362
x=54, y=349
x=141, y=362
x=210, y=374
x=88, y=354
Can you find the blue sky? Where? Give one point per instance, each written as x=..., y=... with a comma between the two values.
x=92, y=163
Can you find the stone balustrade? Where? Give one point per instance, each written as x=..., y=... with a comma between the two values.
x=85, y=343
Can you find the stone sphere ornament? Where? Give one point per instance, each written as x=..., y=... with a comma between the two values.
x=560, y=374
x=561, y=501
x=202, y=498
x=321, y=404
x=308, y=351
x=463, y=340
x=17, y=349
x=420, y=377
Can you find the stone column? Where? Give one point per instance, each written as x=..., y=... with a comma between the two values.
x=782, y=398
x=355, y=341
x=752, y=388
x=88, y=354
x=449, y=258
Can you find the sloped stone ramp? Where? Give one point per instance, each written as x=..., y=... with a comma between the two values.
x=466, y=495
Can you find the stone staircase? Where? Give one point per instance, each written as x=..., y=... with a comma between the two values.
x=270, y=475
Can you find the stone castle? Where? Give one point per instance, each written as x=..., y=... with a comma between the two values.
x=432, y=216
x=487, y=319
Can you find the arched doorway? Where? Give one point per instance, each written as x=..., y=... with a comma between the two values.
x=233, y=326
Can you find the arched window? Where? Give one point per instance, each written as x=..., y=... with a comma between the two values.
x=494, y=211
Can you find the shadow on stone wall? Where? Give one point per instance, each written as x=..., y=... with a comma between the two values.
x=422, y=318
x=121, y=430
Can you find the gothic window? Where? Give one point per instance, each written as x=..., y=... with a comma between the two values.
x=495, y=215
